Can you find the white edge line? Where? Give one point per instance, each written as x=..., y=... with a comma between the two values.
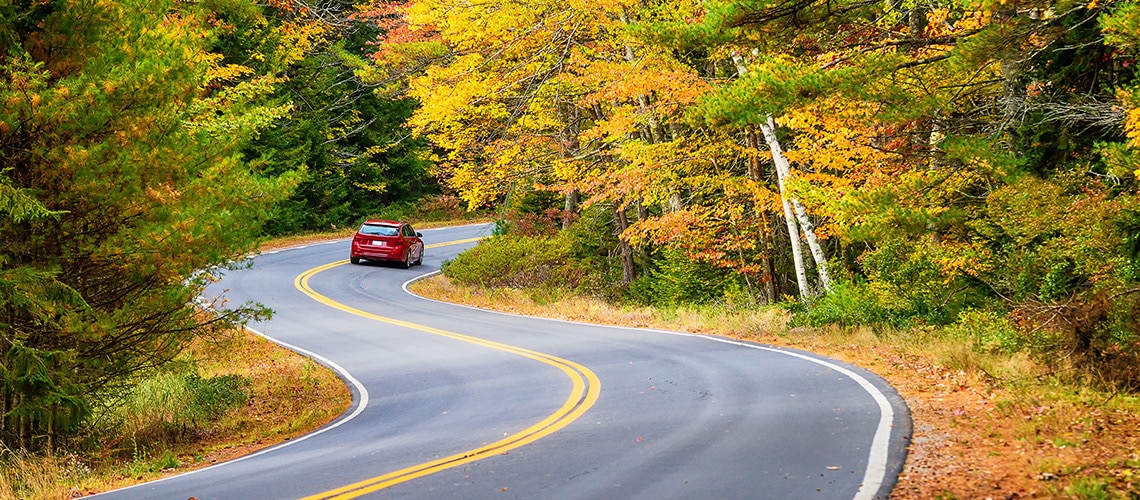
x=880, y=444
x=340, y=370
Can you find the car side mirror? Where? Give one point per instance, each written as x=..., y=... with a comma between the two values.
x=419, y=235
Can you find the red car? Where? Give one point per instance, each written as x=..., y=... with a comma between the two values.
x=388, y=240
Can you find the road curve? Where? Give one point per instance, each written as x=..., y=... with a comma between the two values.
x=453, y=402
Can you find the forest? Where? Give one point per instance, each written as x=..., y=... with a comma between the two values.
x=894, y=163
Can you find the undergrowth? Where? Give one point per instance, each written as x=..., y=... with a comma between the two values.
x=227, y=396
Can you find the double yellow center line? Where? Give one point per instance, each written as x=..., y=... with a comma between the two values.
x=583, y=394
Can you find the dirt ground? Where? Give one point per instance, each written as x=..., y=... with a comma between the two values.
x=974, y=439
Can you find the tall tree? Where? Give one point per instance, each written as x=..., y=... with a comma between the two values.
x=119, y=122
x=344, y=138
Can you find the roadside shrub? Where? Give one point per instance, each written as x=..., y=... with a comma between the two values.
x=519, y=262
x=532, y=213
x=905, y=281
x=170, y=403
x=212, y=397
x=994, y=332
x=847, y=305
x=1056, y=238
x=675, y=279
x=1098, y=331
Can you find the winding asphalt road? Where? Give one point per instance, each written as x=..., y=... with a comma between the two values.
x=453, y=402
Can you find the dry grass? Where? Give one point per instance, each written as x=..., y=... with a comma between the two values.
x=31, y=476
x=290, y=396
x=985, y=425
x=592, y=310
x=285, y=383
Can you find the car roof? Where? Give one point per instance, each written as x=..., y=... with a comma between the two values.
x=384, y=222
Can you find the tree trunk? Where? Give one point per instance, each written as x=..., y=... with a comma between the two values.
x=1012, y=66
x=22, y=421
x=5, y=420
x=51, y=431
x=628, y=272
x=570, y=208
x=783, y=172
x=569, y=146
x=794, y=239
x=642, y=215
x=756, y=173
x=789, y=218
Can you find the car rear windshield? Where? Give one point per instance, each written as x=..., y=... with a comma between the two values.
x=378, y=230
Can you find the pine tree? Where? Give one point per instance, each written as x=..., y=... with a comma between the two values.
x=119, y=140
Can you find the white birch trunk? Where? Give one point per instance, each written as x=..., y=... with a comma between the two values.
x=789, y=212
x=797, y=250
x=789, y=215
x=784, y=171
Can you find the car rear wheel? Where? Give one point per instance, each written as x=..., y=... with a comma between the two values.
x=407, y=260
x=354, y=260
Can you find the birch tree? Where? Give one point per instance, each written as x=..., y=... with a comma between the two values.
x=794, y=211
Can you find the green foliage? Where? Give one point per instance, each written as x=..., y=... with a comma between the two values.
x=120, y=179
x=596, y=248
x=906, y=280
x=1089, y=488
x=143, y=463
x=358, y=172
x=516, y=261
x=428, y=208
x=174, y=403
x=1058, y=237
x=210, y=398
x=994, y=332
x=19, y=206
x=848, y=304
x=1129, y=224
x=347, y=144
x=531, y=213
x=674, y=278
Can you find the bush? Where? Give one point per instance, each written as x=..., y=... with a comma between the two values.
x=847, y=305
x=904, y=281
x=519, y=262
x=993, y=332
x=171, y=403
x=533, y=213
x=212, y=397
x=676, y=279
